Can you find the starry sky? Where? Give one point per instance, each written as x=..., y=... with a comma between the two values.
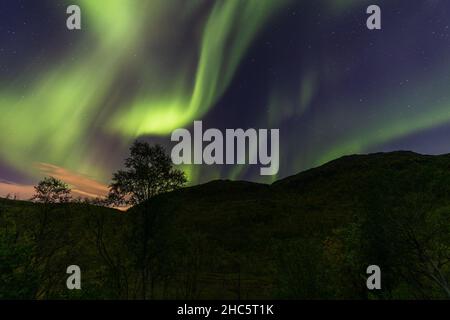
x=72, y=102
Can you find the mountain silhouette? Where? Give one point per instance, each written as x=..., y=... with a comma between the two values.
x=311, y=235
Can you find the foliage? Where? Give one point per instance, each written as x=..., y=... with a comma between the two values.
x=310, y=236
x=51, y=190
x=17, y=279
x=148, y=172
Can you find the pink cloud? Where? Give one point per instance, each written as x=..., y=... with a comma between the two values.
x=20, y=191
x=80, y=184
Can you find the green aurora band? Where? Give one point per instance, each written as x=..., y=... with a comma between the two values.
x=86, y=93
x=64, y=104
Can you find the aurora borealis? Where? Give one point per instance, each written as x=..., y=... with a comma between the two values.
x=71, y=102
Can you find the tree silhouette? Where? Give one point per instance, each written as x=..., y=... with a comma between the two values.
x=148, y=172
x=49, y=235
x=51, y=190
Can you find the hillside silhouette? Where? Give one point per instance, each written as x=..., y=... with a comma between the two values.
x=308, y=236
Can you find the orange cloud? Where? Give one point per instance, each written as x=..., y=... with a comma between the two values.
x=22, y=192
x=80, y=184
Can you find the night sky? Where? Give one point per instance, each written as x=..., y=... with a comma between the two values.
x=71, y=102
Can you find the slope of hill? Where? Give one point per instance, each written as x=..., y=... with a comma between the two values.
x=311, y=235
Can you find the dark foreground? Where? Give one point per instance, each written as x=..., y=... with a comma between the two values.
x=310, y=236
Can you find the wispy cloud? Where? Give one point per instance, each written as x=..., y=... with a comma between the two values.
x=21, y=191
x=81, y=185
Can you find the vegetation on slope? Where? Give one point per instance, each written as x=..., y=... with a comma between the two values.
x=309, y=236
